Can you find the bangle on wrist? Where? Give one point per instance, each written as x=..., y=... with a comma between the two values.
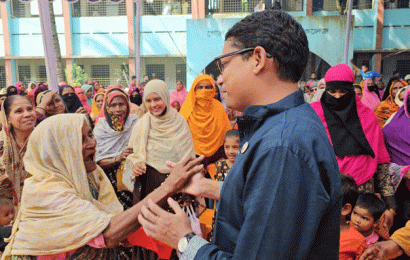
x=41, y=108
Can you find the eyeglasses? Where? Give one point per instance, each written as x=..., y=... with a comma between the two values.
x=221, y=66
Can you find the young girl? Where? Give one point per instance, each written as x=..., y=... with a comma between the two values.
x=231, y=147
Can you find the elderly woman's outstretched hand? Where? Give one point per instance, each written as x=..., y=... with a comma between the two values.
x=182, y=172
x=382, y=250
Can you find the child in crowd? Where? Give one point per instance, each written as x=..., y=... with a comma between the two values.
x=231, y=147
x=366, y=216
x=352, y=243
x=6, y=210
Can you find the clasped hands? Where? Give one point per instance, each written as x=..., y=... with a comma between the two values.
x=164, y=226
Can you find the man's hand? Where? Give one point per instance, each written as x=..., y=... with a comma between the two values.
x=182, y=172
x=382, y=250
x=139, y=169
x=164, y=226
x=194, y=185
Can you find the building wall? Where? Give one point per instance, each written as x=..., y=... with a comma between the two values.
x=164, y=37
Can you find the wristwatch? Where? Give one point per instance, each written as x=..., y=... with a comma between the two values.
x=183, y=242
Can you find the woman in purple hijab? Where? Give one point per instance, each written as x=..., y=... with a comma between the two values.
x=397, y=138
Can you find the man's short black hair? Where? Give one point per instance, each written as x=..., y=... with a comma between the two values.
x=372, y=203
x=350, y=190
x=280, y=35
x=133, y=77
x=396, y=71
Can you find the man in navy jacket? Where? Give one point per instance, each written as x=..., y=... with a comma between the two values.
x=282, y=197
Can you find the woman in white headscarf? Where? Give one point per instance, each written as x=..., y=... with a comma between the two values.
x=69, y=209
x=161, y=135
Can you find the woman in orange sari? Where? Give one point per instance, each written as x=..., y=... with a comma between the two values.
x=388, y=107
x=206, y=118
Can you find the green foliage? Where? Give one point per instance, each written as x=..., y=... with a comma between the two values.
x=78, y=76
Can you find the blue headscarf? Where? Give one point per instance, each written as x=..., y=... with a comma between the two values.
x=87, y=87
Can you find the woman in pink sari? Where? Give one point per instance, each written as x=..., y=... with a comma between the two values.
x=356, y=136
x=370, y=97
x=81, y=95
x=179, y=94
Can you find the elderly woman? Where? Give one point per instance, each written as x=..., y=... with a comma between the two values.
x=69, y=209
x=113, y=132
x=206, y=118
x=356, y=137
x=389, y=106
x=18, y=119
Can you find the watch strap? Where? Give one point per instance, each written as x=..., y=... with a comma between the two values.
x=187, y=238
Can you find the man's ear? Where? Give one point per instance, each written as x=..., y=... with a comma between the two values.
x=260, y=59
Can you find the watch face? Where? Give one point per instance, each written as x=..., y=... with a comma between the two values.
x=182, y=244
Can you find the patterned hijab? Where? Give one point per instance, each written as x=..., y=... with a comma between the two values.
x=115, y=122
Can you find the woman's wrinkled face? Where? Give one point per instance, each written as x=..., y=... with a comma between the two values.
x=99, y=100
x=118, y=107
x=155, y=104
x=22, y=116
x=337, y=93
x=56, y=106
x=395, y=88
x=88, y=148
x=179, y=85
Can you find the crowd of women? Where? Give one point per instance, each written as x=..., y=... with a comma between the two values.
x=71, y=154
x=81, y=161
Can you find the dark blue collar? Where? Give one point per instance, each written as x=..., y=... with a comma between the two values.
x=254, y=116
